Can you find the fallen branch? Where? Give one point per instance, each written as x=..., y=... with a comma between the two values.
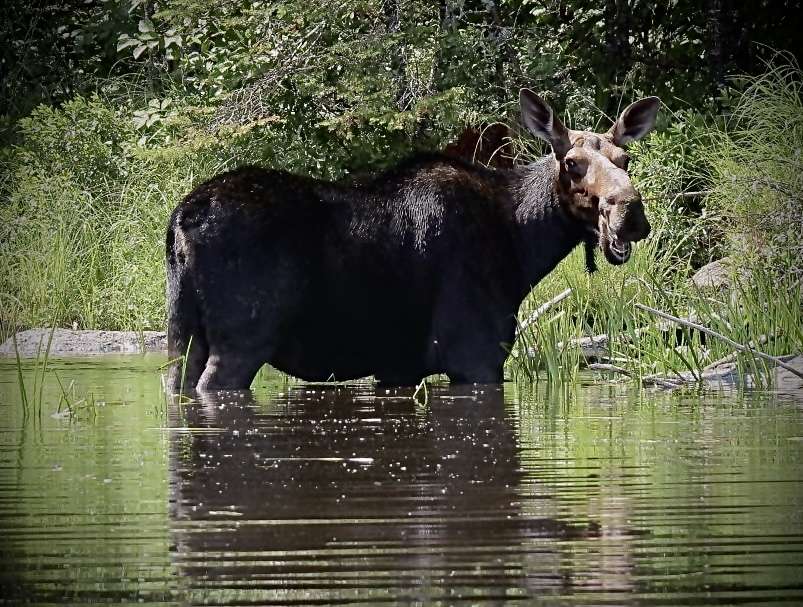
x=649, y=379
x=731, y=357
x=690, y=195
x=542, y=309
x=712, y=333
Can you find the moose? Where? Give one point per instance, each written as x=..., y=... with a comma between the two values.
x=417, y=271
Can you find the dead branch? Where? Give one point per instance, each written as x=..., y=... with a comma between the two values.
x=731, y=357
x=542, y=309
x=646, y=380
x=712, y=333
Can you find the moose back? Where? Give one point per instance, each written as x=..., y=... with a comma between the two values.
x=420, y=270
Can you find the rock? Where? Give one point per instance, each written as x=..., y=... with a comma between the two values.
x=727, y=376
x=717, y=275
x=786, y=381
x=66, y=342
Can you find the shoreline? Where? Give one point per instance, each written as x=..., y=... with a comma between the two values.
x=68, y=342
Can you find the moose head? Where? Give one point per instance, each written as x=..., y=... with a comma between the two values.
x=592, y=182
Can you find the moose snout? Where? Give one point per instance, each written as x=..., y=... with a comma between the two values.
x=635, y=225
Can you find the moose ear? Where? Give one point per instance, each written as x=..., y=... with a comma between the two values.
x=540, y=118
x=636, y=121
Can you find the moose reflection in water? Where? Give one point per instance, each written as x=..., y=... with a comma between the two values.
x=345, y=491
x=419, y=271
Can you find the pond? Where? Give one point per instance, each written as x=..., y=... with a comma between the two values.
x=594, y=494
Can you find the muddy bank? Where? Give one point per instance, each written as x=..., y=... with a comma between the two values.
x=66, y=342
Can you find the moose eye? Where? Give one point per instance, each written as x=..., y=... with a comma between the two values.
x=571, y=165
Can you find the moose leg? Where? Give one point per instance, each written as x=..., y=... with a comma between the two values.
x=471, y=346
x=469, y=372
x=229, y=370
x=471, y=357
x=403, y=378
x=187, y=367
x=245, y=315
x=239, y=344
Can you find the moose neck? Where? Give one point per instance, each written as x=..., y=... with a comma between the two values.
x=545, y=231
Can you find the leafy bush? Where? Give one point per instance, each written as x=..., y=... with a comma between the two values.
x=671, y=167
x=84, y=139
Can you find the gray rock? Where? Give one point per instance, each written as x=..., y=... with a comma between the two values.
x=728, y=376
x=718, y=275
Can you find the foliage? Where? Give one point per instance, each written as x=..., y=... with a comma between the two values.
x=671, y=168
x=82, y=224
x=756, y=163
x=114, y=110
x=366, y=55
x=53, y=50
x=748, y=168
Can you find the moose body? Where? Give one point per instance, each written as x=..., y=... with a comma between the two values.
x=418, y=271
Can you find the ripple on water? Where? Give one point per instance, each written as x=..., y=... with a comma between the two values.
x=325, y=495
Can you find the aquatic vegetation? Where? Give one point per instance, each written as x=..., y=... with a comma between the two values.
x=32, y=400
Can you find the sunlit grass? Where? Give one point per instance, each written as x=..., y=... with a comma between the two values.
x=606, y=304
x=757, y=183
x=753, y=190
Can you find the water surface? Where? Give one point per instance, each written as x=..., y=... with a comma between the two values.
x=303, y=494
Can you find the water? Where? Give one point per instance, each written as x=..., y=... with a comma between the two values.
x=594, y=495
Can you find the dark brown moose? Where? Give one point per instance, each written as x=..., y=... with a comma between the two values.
x=418, y=271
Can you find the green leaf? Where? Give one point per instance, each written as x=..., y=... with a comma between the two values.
x=126, y=41
x=146, y=26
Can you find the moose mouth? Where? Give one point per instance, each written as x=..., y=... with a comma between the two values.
x=616, y=250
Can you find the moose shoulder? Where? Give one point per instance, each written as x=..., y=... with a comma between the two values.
x=418, y=271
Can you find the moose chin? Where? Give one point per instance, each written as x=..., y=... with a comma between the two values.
x=417, y=271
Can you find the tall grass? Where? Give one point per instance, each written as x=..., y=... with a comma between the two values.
x=90, y=261
x=748, y=167
x=83, y=218
x=757, y=177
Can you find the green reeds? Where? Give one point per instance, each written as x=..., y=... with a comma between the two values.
x=32, y=396
x=71, y=404
x=746, y=172
x=617, y=307
x=32, y=402
x=757, y=184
